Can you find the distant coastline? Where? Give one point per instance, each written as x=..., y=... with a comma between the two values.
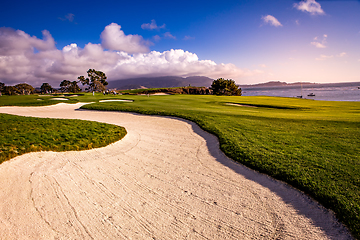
x=278, y=84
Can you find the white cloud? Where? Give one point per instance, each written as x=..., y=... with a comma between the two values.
x=324, y=57
x=297, y=22
x=320, y=44
x=28, y=59
x=343, y=54
x=113, y=38
x=271, y=20
x=310, y=6
x=169, y=35
x=173, y=62
x=152, y=26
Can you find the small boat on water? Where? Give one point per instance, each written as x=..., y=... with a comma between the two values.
x=311, y=95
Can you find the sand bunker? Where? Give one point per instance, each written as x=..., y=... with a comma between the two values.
x=160, y=94
x=157, y=94
x=166, y=179
x=116, y=100
x=240, y=105
x=59, y=99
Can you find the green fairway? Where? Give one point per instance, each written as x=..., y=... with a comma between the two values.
x=312, y=145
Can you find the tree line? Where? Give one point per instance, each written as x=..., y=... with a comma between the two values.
x=96, y=82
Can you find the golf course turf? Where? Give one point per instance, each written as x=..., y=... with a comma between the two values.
x=312, y=145
x=19, y=135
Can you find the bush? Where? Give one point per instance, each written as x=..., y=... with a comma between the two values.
x=225, y=87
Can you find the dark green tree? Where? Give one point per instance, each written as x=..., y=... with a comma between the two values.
x=2, y=85
x=46, y=88
x=64, y=86
x=24, y=88
x=225, y=87
x=96, y=80
x=10, y=90
x=74, y=87
x=67, y=86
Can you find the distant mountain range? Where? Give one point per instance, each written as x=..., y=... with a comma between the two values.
x=160, y=82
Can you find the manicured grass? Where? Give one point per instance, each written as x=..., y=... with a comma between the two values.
x=312, y=145
x=33, y=100
x=19, y=135
x=48, y=99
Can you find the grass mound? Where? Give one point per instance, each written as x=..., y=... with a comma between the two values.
x=19, y=135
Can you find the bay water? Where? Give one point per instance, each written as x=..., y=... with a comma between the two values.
x=325, y=92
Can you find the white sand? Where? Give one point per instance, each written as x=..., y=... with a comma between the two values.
x=160, y=94
x=157, y=94
x=59, y=99
x=167, y=179
x=240, y=105
x=116, y=100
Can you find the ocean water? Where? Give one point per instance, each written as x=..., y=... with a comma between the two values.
x=325, y=92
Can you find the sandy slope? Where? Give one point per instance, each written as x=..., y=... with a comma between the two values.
x=166, y=179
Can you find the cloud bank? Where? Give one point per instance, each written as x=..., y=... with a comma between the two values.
x=25, y=58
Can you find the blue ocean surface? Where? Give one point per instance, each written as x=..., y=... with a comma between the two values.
x=325, y=92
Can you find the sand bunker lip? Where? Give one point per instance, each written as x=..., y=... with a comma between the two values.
x=116, y=100
x=166, y=179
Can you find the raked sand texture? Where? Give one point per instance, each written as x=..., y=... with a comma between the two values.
x=166, y=179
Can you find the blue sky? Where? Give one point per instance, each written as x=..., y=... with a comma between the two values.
x=249, y=41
